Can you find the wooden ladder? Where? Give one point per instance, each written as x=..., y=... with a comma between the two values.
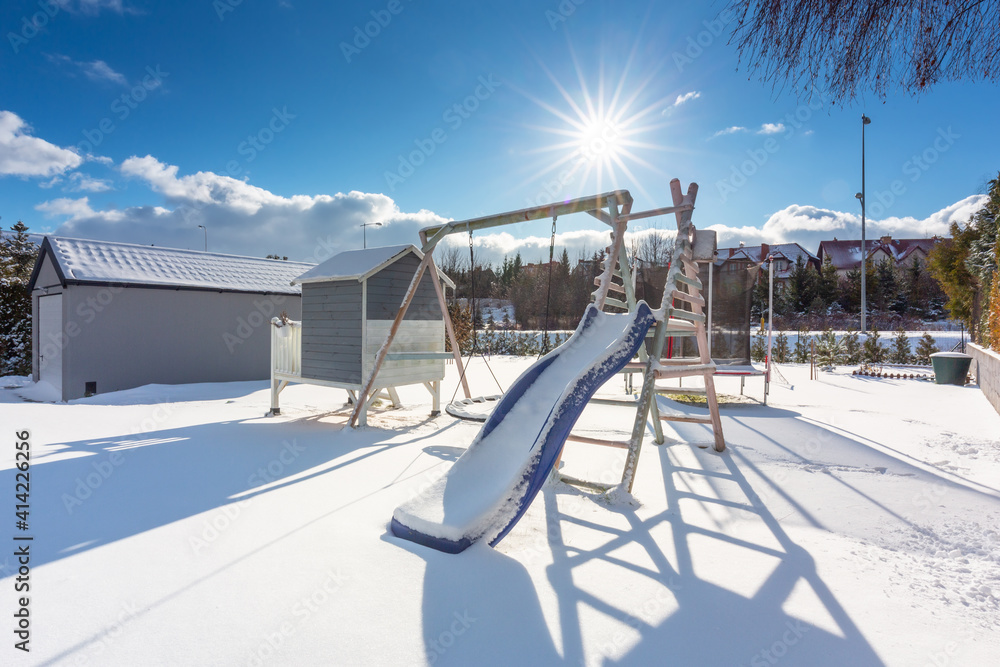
x=682, y=285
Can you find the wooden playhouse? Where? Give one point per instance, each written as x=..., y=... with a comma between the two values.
x=349, y=304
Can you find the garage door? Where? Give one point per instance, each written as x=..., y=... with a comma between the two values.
x=49, y=337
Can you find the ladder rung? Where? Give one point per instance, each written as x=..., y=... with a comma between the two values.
x=680, y=314
x=684, y=371
x=693, y=391
x=690, y=298
x=608, y=301
x=674, y=333
x=599, y=441
x=684, y=280
x=690, y=419
x=596, y=486
x=626, y=402
x=612, y=287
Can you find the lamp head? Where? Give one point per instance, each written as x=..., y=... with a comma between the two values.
x=859, y=197
x=865, y=120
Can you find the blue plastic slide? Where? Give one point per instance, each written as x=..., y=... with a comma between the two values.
x=490, y=487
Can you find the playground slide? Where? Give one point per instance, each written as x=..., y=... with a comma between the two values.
x=492, y=484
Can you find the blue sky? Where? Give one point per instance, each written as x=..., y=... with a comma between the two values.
x=281, y=126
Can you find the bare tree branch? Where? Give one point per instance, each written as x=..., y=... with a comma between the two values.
x=845, y=47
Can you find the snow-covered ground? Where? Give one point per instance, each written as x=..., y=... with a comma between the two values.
x=852, y=521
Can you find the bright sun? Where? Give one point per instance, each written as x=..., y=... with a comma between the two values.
x=599, y=135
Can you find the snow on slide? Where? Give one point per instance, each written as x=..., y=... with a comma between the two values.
x=492, y=484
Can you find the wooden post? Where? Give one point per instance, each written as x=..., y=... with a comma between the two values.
x=448, y=326
x=360, y=406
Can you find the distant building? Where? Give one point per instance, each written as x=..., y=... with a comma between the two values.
x=784, y=255
x=846, y=255
x=110, y=316
x=532, y=270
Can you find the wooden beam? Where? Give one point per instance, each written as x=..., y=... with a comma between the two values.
x=581, y=205
x=619, y=444
x=654, y=212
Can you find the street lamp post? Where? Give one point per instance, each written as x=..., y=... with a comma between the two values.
x=364, y=231
x=865, y=120
x=206, y=236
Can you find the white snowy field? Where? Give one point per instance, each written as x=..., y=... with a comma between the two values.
x=852, y=521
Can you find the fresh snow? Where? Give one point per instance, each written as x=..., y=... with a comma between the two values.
x=477, y=498
x=852, y=521
x=354, y=263
x=126, y=263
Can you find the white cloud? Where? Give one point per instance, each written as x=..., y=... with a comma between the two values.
x=93, y=7
x=808, y=225
x=24, y=155
x=95, y=70
x=245, y=219
x=241, y=218
x=98, y=70
x=729, y=130
x=64, y=206
x=491, y=248
x=79, y=182
x=771, y=128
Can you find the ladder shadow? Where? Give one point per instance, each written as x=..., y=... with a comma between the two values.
x=689, y=612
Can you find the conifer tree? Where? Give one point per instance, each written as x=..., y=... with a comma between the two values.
x=925, y=348
x=17, y=260
x=779, y=348
x=900, y=352
x=852, y=347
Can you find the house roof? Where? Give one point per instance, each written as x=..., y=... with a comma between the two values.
x=847, y=254
x=361, y=264
x=789, y=251
x=87, y=262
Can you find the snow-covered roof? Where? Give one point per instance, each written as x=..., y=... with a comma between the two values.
x=360, y=264
x=788, y=251
x=847, y=254
x=82, y=261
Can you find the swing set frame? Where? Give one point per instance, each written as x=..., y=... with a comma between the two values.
x=685, y=319
x=618, y=204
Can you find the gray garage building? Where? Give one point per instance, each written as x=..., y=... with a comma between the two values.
x=110, y=316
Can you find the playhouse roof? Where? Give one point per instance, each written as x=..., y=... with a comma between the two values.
x=87, y=262
x=361, y=264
